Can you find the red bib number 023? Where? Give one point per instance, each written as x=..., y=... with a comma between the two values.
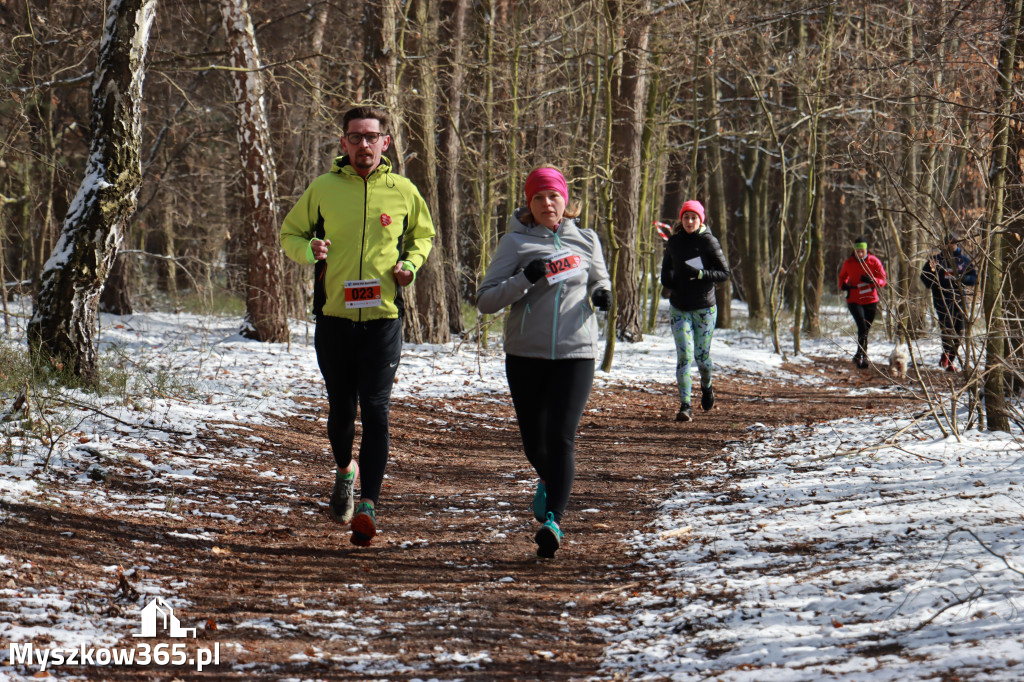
x=563, y=265
x=362, y=293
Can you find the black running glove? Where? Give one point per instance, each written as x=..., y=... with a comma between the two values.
x=845, y=287
x=602, y=299
x=535, y=269
x=866, y=279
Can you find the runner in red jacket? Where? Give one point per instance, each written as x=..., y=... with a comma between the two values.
x=861, y=276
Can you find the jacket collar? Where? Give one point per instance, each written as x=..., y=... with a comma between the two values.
x=342, y=165
x=517, y=225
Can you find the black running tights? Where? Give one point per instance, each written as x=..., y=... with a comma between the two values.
x=863, y=316
x=358, y=361
x=549, y=397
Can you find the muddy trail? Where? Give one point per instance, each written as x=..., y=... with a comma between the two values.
x=451, y=587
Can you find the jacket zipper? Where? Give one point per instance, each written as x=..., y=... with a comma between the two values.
x=558, y=300
x=362, y=241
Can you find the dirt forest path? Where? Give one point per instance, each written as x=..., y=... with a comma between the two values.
x=451, y=588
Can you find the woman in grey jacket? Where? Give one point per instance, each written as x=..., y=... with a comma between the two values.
x=551, y=274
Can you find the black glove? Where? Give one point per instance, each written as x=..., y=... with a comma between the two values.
x=866, y=279
x=845, y=287
x=602, y=299
x=535, y=269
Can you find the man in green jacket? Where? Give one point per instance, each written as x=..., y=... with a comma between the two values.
x=367, y=231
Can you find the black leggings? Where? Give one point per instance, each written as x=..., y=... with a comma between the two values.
x=358, y=361
x=549, y=397
x=863, y=315
x=950, y=312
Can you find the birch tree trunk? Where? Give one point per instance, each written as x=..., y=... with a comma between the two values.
x=61, y=331
x=264, y=309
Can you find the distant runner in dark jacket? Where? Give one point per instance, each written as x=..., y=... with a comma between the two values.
x=861, y=276
x=692, y=265
x=947, y=273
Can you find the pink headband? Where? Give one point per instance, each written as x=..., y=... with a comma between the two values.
x=546, y=179
x=692, y=205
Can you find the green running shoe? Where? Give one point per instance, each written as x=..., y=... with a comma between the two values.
x=343, y=499
x=364, y=525
x=548, y=538
x=540, y=502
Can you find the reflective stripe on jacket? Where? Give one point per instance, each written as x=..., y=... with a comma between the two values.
x=851, y=274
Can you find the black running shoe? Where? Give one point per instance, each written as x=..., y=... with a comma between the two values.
x=707, y=398
x=685, y=414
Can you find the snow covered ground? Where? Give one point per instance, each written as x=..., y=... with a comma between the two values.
x=856, y=550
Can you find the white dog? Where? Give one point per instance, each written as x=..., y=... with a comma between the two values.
x=898, y=361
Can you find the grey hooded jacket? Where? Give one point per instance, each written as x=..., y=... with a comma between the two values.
x=549, y=321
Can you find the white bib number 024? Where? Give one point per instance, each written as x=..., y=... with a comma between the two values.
x=562, y=265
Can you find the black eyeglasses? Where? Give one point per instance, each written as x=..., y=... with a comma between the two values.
x=356, y=138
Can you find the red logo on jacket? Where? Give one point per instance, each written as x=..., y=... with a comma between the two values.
x=385, y=219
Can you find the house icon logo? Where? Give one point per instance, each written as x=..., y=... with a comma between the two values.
x=158, y=607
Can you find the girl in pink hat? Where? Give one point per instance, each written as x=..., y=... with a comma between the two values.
x=692, y=265
x=551, y=275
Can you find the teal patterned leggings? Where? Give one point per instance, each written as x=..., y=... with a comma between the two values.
x=692, y=331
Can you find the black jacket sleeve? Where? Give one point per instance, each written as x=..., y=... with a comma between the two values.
x=928, y=276
x=666, y=269
x=718, y=270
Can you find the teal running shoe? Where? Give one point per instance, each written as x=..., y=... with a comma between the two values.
x=364, y=525
x=548, y=538
x=540, y=502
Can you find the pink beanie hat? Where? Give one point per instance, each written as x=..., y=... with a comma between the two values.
x=692, y=205
x=546, y=178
